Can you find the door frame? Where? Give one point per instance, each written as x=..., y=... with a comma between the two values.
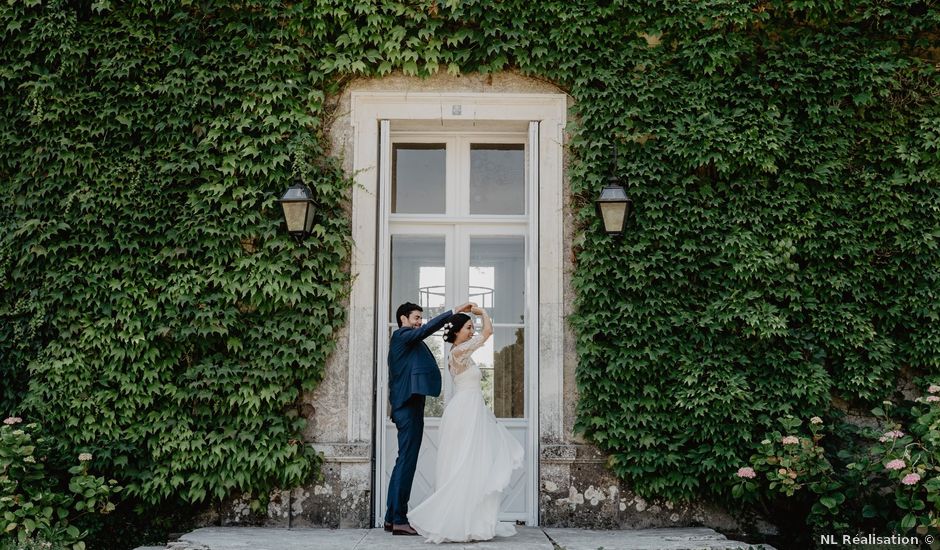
x=456, y=111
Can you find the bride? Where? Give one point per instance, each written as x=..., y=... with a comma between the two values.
x=476, y=455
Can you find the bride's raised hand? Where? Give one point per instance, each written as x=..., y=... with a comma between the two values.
x=487, y=322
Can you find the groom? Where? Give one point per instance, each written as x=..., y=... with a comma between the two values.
x=412, y=375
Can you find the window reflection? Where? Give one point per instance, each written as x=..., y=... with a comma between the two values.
x=497, y=178
x=417, y=274
x=418, y=178
x=497, y=276
x=502, y=361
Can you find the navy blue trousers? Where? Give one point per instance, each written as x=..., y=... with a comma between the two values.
x=409, y=419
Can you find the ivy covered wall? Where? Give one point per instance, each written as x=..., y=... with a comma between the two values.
x=153, y=306
x=783, y=158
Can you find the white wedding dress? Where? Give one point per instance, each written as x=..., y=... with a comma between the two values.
x=475, y=460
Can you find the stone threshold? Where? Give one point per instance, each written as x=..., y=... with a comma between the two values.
x=527, y=538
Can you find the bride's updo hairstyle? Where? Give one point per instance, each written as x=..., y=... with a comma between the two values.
x=453, y=325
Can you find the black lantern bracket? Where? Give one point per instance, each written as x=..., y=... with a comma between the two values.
x=613, y=204
x=298, y=209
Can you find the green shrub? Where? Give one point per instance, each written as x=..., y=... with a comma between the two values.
x=37, y=508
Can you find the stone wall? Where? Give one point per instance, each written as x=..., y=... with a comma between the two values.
x=577, y=490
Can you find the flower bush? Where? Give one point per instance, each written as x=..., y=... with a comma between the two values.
x=31, y=543
x=39, y=508
x=906, y=462
x=787, y=460
x=849, y=484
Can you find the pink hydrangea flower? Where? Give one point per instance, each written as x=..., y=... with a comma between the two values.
x=815, y=420
x=9, y=421
x=933, y=389
x=896, y=464
x=893, y=434
x=747, y=472
x=933, y=398
x=790, y=440
x=910, y=479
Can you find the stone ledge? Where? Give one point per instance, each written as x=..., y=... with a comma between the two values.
x=570, y=454
x=344, y=452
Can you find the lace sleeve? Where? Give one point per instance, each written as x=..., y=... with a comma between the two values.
x=460, y=355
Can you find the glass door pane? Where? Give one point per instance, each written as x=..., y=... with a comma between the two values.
x=418, y=275
x=419, y=172
x=497, y=178
x=496, y=279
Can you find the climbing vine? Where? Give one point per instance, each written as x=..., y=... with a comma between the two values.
x=782, y=157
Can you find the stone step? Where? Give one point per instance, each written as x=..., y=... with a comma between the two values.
x=527, y=538
x=680, y=538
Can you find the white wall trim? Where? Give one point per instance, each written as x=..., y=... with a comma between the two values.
x=463, y=110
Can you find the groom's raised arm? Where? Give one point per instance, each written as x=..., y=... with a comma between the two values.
x=415, y=335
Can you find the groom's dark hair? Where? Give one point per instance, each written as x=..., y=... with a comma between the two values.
x=406, y=309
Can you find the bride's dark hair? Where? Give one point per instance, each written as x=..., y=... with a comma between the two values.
x=453, y=325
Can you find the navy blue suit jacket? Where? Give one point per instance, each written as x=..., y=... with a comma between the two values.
x=411, y=365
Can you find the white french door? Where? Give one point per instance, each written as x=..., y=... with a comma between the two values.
x=455, y=226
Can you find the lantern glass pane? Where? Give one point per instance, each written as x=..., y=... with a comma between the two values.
x=613, y=214
x=309, y=210
x=295, y=214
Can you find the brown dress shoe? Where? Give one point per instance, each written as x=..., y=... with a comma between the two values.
x=405, y=529
x=388, y=527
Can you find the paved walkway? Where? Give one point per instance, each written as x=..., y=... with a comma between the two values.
x=528, y=538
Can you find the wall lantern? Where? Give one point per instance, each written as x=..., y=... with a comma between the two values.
x=297, y=204
x=613, y=206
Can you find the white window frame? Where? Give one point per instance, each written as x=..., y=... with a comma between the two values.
x=457, y=191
